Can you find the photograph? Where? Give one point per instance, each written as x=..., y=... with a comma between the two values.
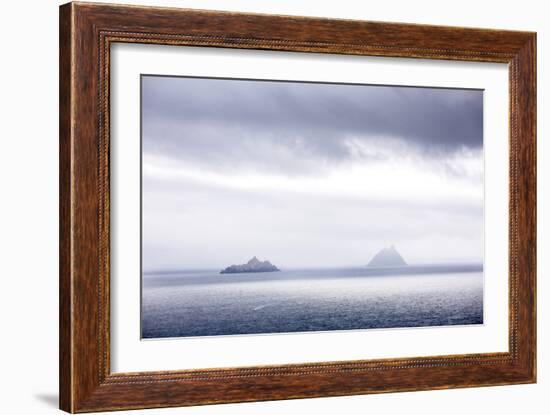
x=283, y=206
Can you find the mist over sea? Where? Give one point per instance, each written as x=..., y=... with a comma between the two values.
x=207, y=303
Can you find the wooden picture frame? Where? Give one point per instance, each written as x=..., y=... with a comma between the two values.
x=86, y=33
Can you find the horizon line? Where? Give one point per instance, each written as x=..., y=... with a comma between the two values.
x=302, y=267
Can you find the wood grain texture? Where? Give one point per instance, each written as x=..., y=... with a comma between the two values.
x=86, y=33
x=65, y=246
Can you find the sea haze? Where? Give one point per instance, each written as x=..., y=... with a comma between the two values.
x=206, y=303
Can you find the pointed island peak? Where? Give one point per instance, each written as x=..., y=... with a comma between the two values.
x=253, y=265
x=387, y=257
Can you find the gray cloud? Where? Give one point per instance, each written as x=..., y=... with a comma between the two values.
x=286, y=125
x=208, y=202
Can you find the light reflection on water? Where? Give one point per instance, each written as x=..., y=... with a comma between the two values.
x=203, y=303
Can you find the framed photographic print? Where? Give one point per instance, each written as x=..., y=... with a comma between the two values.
x=259, y=207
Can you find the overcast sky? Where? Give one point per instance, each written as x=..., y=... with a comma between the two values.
x=308, y=174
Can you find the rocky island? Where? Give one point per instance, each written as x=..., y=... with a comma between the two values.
x=387, y=257
x=254, y=265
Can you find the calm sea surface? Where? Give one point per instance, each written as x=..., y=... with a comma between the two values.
x=206, y=303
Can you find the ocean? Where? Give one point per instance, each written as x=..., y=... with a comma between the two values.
x=206, y=303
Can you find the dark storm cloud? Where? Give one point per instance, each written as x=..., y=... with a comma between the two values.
x=273, y=123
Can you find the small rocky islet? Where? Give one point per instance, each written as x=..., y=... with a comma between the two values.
x=254, y=265
x=387, y=257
